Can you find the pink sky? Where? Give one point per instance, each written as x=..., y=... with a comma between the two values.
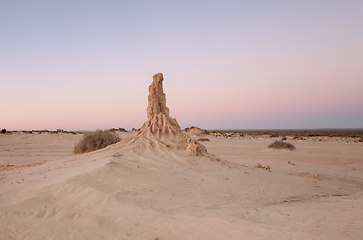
x=227, y=64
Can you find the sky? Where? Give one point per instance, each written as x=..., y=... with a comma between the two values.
x=87, y=65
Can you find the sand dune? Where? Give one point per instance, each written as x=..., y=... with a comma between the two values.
x=160, y=182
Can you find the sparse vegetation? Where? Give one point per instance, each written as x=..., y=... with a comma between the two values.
x=117, y=130
x=96, y=140
x=203, y=140
x=298, y=138
x=281, y=145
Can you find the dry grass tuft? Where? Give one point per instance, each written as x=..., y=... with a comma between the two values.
x=281, y=145
x=94, y=141
x=203, y=140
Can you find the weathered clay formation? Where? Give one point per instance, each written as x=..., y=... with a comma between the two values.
x=163, y=127
x=157, y=97
x=159, y=123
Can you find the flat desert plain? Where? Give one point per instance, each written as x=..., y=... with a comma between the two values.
x=146, y=190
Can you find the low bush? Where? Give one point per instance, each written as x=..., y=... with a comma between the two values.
x=3, y=130
x=94, y=141
x=203, y=140
x=281, y=145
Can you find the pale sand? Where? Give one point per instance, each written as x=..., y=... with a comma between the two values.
x=144, y=190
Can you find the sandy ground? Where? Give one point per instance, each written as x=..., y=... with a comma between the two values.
x=147, y=190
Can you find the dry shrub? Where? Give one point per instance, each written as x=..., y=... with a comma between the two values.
x=94, y=141
x=281, y=145
x=203, y=140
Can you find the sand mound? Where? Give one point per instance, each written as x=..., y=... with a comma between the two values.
x=195, y=131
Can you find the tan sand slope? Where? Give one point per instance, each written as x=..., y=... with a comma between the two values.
x=152, y=184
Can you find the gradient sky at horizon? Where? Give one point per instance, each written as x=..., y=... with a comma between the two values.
x=86, y=65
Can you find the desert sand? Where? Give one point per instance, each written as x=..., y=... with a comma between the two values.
x=161, y=182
